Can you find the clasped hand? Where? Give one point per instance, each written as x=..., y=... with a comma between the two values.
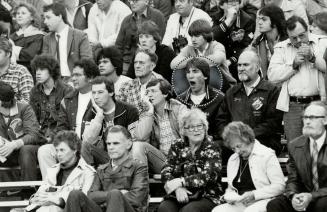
x=301, y=201
x=45, y=199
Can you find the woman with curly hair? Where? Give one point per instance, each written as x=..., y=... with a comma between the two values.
x=192, y=174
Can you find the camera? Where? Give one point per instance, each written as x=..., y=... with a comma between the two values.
x=179, y=43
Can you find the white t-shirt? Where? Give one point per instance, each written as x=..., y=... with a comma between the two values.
x=197, y=99
x=121, y=80
x=83, y=101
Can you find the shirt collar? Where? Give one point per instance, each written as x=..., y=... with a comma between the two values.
x=145, y=13
x=64, y=31
x=254, y=84
x=12, y=111
x=320, y=141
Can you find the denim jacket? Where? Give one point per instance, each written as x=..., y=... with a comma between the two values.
x=46, y=107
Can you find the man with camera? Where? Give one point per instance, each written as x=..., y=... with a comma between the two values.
x=176, y=35
x=297, y=64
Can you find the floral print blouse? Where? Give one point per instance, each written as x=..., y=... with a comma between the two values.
x=202, y=172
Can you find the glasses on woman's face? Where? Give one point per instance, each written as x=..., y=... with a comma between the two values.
x=193, y=128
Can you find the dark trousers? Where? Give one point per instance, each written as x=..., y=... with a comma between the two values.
x=94, y=155
x=26, y=158
x=201, y=205
x=283, y=204
x=116, y=202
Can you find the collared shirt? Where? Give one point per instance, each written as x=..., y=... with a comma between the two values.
x=130, y=92
x=83, y=101
x=202, y=53
x=140, y=19
x=98, y=28
x=64, y=69
x=320, y=141
x=20, y=79
x=167, y=135
x=306, y=81
x=249, y=89
x=174, y=28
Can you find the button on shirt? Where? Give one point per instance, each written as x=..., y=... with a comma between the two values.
x=64, y=69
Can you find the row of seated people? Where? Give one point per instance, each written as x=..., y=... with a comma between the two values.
x=192, y=173
x=293, y=62
x=100, y=115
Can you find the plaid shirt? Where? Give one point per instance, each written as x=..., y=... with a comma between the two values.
x=130, y=92
x=20, y=79
x=167, y=135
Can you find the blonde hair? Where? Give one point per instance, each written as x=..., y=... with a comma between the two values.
x=192, y=114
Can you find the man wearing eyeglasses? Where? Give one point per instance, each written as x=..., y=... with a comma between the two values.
x=102, y=13
x=306, y=188
x=297, y=64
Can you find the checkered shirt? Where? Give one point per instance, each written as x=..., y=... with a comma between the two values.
x=20, y=80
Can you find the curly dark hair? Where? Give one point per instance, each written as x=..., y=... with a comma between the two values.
x=46, y=61
x=89, y=67
x=70, y=138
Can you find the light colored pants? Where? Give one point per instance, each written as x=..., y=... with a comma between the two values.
x=259, y=206
x=47, y=158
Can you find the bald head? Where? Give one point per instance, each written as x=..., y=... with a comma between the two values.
x=248, y=66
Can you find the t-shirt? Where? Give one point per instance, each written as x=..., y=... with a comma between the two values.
x=83, y=101
x=197, y=99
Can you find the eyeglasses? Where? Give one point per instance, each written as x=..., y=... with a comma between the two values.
x=312, y=117
x=194, y=128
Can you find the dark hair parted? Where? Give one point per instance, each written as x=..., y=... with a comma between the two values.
x=291, y=23
x=70, y=138
x=89, y=67
x=46, y=61
x=36, y=22
x=202, y=65
x=277, y=19
x=164, y=86
x=240, y=130
x=101, y=79
x=114, y=55
x=152, y=55
x=201, y=27
x=121, y=129
x=57, y=9
x=150, y=28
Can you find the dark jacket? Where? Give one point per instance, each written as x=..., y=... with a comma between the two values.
x=258, y=110
x=165, y=56
x=31, y=46
x=46, y=107
x=80, y=20
x=68, y=111
x=131, y=175
x=299, y=169
x=201, y=171
x=21, y=125
x=210, y=105
x=127, y=38
x=234, y=45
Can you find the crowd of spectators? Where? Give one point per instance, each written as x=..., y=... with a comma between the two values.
x=103, y=94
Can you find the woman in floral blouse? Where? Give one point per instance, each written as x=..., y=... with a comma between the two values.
x=192, y=174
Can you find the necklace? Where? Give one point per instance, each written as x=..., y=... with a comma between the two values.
x=242, y=170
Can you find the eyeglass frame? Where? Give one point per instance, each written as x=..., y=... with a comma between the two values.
x=197, y=127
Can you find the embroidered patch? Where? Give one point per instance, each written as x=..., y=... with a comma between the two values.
x=257, y=103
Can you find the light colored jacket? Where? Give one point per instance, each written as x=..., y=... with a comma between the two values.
x=81, y=178
x=266, y=173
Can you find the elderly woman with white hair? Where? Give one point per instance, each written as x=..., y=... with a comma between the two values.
x=254, y=175
x=192, y=174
